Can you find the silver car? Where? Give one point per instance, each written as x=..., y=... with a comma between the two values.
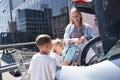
x=105, y=65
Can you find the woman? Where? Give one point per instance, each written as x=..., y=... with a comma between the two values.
x=77, y=31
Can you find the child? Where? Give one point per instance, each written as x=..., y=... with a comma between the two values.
x=56, y=52
x=42, y=67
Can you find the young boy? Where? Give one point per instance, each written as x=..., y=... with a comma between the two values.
x=42, y=67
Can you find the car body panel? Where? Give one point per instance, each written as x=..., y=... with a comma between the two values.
x=105, y=70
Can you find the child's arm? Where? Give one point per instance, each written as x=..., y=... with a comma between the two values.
x=28, y=76
x=68, y=64
x=52, y=68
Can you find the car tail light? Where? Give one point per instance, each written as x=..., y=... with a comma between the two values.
x=55, y=78
x=82, y=1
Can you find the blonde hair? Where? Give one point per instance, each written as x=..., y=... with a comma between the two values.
x=55, y=43
x=71, y=20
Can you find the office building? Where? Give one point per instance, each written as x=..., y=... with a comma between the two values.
x=60, y=22
x=45, y=15
x=35, y=21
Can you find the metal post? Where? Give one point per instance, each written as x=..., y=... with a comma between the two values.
x=0, y=73
x=69, y=7
x=11, y=23
x=10, y=6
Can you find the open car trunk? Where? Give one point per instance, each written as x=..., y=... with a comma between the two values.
x=108, y=16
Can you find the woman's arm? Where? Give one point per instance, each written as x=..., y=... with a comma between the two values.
x=88, y=32
x=67, y=38
x=67, y=34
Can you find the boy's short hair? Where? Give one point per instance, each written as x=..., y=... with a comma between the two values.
x=42, y=39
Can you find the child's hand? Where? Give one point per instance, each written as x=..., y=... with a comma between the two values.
x=73, y=63
x=64, y=64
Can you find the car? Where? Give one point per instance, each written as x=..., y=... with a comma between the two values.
x=107, y=64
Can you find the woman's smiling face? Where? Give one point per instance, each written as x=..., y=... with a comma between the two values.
x=75, y=17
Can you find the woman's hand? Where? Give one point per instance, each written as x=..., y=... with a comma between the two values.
x=82, y=39
x=77, y=40
x=74, y=40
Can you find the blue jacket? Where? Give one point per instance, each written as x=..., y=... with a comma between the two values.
x=88, y=32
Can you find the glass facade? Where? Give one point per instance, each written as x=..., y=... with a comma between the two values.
x=4, y=15
x=34, y=17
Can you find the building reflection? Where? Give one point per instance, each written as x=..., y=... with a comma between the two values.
x=33, y=17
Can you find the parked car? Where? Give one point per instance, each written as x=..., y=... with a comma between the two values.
x=107, y=65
